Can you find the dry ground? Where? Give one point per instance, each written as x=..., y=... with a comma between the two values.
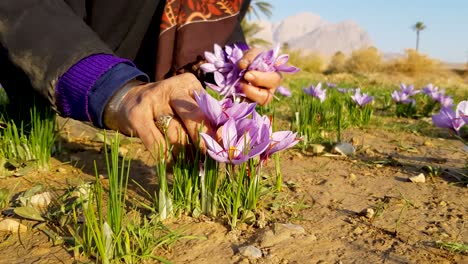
x=323, y=194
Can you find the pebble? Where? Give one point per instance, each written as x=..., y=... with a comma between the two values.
x=61, y=170
x=103, y=176
x=418, y=179
x=368, y=213
x=428, y=143
x=443, y=203
x=369, y=152
x=250, y=252
x=10, y=225
x=345, y=149
x=352, y=177
x=279, y=233
x=298, y=155
x=123, y=151
x=41, y=200
x=357, y=231
x=316, y=149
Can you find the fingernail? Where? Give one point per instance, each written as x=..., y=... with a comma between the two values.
x=249, y=76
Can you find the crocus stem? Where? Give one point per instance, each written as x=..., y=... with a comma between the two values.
x=203, y=186
x=235, y=209
x=338, y=123
x=279, y=176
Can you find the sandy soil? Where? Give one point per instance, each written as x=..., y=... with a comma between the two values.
x=324, y=196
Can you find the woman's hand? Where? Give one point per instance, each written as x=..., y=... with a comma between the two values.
x=146, y=103
x=258, y=86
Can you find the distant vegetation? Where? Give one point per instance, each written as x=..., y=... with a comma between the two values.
x=371, y=60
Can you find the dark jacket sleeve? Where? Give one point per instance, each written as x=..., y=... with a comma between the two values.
x=44, y=39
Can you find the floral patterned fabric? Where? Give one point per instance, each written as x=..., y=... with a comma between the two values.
x=181, y=12
x=190, y=27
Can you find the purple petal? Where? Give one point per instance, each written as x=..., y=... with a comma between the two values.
x=210, y=57
x=282, y=59
x=444, y=118
x=211, y=144
x=210, y=107
x=229, y=134
x=219, y=79
x=218, y=52
x=462, y=110
x=284, y=91
x=287, y=68
x=445, y=101
x=207, y=67
x=214, y=87
x=281, y=140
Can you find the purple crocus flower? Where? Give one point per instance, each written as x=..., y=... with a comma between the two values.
x=401, y=97
x=447, y=118
x=345, y=90
x=408, y=89
x=227, y=74
x=223, y=65
x=270, y=61
x=236, y=148
x=361, y=99
x=331, y=85
x=445, y=100
x=462, y=110
x=284, y=91
x=216, y=61
x=431, y=90
x=279, y=141
x=316, y=91
x=219, y=112
x=234, y=54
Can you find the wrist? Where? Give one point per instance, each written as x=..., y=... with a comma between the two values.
x=111, y=110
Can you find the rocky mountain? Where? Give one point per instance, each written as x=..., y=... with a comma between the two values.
x=310, y=33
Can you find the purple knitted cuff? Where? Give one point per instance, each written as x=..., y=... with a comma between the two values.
x=74, y=85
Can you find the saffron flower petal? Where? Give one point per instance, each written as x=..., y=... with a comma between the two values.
x=462, y=110
x=316, y=92
x=284, y=91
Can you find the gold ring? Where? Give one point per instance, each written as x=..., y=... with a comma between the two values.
x=162, y=122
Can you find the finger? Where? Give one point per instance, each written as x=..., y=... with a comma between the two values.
x=151, y=137
x=192, y=118
x=175, y=133
x=186, y=108
x=269, y=80
x=248, y=57
x=260, y=95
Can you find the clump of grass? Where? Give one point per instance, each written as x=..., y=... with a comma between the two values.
x=114, y=235
x=30, y=142
x=3, y=96
x=453, y=247
x=319, y=122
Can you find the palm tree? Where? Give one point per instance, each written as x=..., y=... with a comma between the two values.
x=257, y=6
x=419, y=26
x=250, y=29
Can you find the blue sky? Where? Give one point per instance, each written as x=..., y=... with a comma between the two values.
x=389, y=22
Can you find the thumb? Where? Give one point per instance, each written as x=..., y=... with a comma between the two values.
x=248, y=57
